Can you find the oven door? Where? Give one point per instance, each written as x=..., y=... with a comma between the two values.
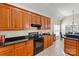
x=38, y=46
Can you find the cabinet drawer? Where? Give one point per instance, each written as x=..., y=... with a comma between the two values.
x=29, y=42
x=19, y=44
x=6, y=48
x=69, y=46
x=70, y=43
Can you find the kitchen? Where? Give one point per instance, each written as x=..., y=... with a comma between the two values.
x=27, y=32
x=15, y=21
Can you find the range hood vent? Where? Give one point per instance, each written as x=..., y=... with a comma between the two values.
x=35, y=25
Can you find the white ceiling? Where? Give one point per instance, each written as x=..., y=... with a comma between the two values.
x=55, y=10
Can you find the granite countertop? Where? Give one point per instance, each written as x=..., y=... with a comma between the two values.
x=14, y=42
x=72, y=38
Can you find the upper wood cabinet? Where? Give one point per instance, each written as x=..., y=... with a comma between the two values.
x=42, y=23
x=26, y=16
x=33, y=18
x=4, y=17
x=38, y=19
x=49, y=23
x=16, y=19
x=45, y=20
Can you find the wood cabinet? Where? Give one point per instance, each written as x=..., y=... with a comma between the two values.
x=38, y=19
x=26, y=16
x=24, y=48
x=45, y=23
x=45, y=41
x=4, y=17
x=48, y=40
x=7, y=51
x=20, y=49
x=42, y=23
x=71, y=47
x=33, y=18
x=49, y=23
x=30, y=48
x=16, y=19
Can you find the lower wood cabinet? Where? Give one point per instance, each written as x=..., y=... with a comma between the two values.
x=7, y=51
x=45, y=41
x=48, y=40
x=19, y=49
x=29, y=48
x=71, y=47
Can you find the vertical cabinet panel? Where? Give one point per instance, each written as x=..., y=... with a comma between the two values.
x=4, y=17
x=16, y=19
x=26, y=16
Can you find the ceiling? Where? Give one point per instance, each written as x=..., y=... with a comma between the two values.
x=54, y=10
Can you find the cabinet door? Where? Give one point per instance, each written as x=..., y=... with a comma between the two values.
x=42, y=22
x=16, y=19
x=49, y=23
x=20, y=49
x=38, y=19
x=45, y=23
x=7, y=51
x=26, y=20
x=33, y=18
x=45, y=41
x=4, y=17
x=30, y=47
x=48, y=38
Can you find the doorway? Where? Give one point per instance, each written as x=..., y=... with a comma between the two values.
x=57, y=31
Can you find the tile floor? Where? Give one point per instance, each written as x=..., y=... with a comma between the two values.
x=55, y=50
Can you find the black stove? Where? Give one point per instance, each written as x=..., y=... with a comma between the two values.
x=38, y=41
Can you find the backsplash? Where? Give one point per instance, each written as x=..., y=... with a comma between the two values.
x=9, y=34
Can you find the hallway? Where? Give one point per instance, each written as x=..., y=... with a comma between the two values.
x=55, y=50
